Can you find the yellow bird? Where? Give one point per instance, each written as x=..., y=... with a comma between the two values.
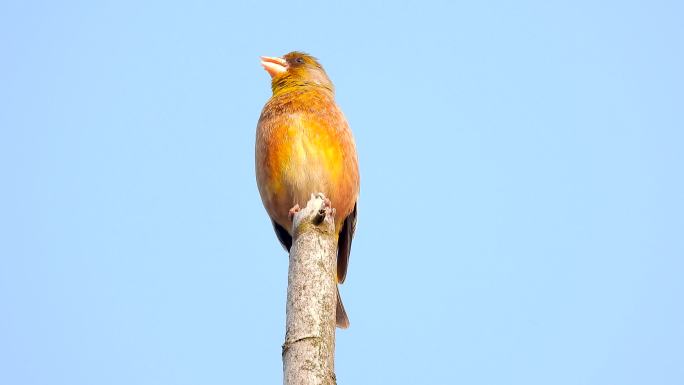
x=304, y=145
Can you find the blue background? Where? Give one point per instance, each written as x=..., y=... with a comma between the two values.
x=521, y=217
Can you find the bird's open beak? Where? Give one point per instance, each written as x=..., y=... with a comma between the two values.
x=274, y=65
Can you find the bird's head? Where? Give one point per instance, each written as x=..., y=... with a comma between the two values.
x=294, y=70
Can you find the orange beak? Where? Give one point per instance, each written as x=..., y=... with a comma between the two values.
x=274, y=65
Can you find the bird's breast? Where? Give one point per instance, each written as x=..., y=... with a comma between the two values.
x=299, y=155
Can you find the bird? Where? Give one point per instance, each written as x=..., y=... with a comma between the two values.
x=304, y=146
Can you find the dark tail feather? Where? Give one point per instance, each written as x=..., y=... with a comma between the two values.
x=340, y=314
x=344, y=243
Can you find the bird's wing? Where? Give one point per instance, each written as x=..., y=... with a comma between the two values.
x=283, y=236
x=344, y=245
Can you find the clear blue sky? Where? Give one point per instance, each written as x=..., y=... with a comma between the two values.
x=521, y=218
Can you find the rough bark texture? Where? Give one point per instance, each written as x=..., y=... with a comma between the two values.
x=309, y=348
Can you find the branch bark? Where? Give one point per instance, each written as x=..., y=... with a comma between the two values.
x=309, y=348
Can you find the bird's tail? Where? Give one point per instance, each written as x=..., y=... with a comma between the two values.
x=340, y=314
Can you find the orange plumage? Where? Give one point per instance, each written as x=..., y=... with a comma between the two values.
x=303, y=146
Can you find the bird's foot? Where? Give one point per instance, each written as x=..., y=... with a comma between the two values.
x=325, y=209
x=294, y=210
x=327, y=204
x=326, y=201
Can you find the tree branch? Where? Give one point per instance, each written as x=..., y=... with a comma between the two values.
x=309, y=348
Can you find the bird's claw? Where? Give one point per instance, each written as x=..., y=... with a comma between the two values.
x=326, y=202
x=294, y=210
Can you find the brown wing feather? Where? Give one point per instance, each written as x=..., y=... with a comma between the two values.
x=344, y=245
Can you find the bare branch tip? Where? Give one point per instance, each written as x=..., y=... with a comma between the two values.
x=320, y=216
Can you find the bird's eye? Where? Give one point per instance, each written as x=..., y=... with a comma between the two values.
x=299, y=60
